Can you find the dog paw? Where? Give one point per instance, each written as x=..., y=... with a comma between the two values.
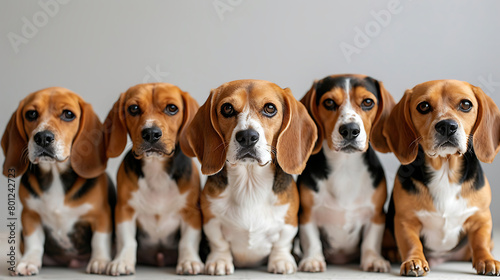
x=120, y=267
x=489, y=267
x=189, y=267
x=312, y=264
x=373, y=262
x=97, y=266
x=26, y=268
x=282, y=265
x=219, y=264
x=414, y=267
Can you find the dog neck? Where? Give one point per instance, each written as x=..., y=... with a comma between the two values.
x=250, y=181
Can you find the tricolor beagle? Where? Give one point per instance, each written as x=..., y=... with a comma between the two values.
x=158, y=219
x=343, y=188
x=249, y=136
x=439, y=131
x=55, y=141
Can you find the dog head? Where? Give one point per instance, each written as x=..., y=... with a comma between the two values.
x=442, y=116
x=349, y=111
x=153, y=115
x=54, y=125
x=250, y=122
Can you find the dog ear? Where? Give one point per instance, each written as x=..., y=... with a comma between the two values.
x=486, y=131
x=14, y=144
x=203, y=138
x=297, y=137
x=309, y=101
x=385, y=105
x=400, y=132
x=190, y=109
x=115, y=130
x=88, y=153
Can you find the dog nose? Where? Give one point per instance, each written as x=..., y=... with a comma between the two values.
x=349, y=131
x=151, y=134
x=44, y=138
x=446, y=127
x=247, y=138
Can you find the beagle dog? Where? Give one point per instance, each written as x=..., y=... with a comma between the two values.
x=56, y=142
x=439, y=131
x=158, y=219
x=343, y=188
x=249, y=136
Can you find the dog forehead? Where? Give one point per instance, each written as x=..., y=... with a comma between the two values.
x=340, y=85
x=53, y=99
x=442, y=91
x=250, y=91
x=153, y=93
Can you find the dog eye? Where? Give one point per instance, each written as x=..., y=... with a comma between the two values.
x=330, y=104
x=171, y=109
x=31, y=115
x=134, y=110
x=227, y=110
x=465, y=105
x=424, y=107
x=67, y=116
x=270, y=110
x=367, y=104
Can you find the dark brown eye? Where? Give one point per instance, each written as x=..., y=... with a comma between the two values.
x=465, y=105
x=134, y=110
x=31, y=115
x=227, y=110
x=330, y=104
x=424, y=108
x=367, y=104
x=67, y=116
x=171, y=109
x=270, y=110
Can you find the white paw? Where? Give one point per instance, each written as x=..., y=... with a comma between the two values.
x=189, y=267
x=121, y=267
x=312, y=264
x=375, y=263
x=219, y=264
x=282, y=265
x=27, y=268
x=97, y=266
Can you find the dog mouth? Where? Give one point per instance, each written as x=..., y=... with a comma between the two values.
x=153, y=152
x=249, y=156
x=348, y=147
x=44, y=155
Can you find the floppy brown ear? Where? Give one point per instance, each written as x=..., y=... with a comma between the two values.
x=15, y=144
x=400, y=132
x=203, y=138
x=190, y=109
x=88, y=153
x=297, y=137
x=486, y=131
x=385, y=105
x=115, y=131
x=309, y=101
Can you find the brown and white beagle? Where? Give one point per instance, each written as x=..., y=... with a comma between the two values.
x=343, y=188
x=439, y=131
x=158, y=218
x=56, y=142
x=249, y=136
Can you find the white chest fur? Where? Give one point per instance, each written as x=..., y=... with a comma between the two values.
x=157, y=202
x=53, y=211
x=251, y=220
x=441, y=228
x=343, y=203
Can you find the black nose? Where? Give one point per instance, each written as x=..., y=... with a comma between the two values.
x=446, y=127
x=247, y=138
x=349, y=131
x=44, y=138
x=152, y=134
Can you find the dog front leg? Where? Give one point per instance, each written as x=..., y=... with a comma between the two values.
x=313, y=260
x=189, y=261
x=371, y=258
x=407, y=233
x=220, y=260
x=125, y=260
x=281, y=260
x=480, y=242
x=34, y=239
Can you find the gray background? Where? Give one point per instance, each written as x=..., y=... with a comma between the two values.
x=100, y=48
